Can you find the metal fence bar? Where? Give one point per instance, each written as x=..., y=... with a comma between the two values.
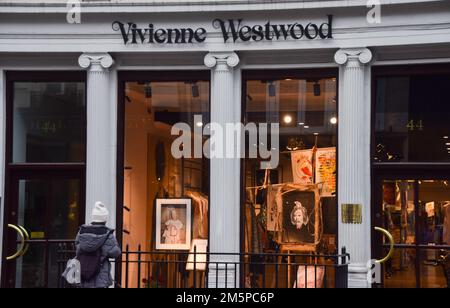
x=169, y=268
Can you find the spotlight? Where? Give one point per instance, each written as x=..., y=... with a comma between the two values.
x=195, y=90
x=148, y=90
x=199, y=124
x=272, y=90
x=333, y=120
x=317, y=91
x=287, y=119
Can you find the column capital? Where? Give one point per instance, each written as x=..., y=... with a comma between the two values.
x=347, y=55
x=222, y=60
x=96, y=62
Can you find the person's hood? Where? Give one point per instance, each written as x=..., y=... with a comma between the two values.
x=91, y=238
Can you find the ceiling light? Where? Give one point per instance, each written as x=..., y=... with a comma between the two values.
x=316, y=134
x=445, y=137
x=448, y=143
x=333, y=120
x=301, y=123
x=306, y=126
x=199, y=124
x=287, y=119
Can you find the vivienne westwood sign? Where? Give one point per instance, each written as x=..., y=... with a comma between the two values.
x=232, y=30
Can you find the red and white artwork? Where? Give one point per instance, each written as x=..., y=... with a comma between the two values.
x=302, y=166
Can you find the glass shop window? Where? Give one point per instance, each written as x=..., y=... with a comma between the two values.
x=165, y=198
x=412, y=119
x=49, y=122
x=293, y=207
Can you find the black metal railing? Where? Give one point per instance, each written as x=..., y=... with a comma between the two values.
x=175, y=269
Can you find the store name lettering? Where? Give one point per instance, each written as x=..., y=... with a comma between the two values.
x=232, y=30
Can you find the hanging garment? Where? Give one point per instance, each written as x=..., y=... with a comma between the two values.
x=274, y=209
x=200, y=207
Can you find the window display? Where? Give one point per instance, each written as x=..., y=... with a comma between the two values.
x=284, y=207
x=168, y=197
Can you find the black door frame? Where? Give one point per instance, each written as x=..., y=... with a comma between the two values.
x=401, y=172
x=34, y=170
x=398, y=170
x=10, y=238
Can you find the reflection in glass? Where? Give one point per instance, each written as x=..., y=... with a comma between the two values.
x=412, y=115
x=151, y=110
x=434, y=226
x=305, y=110
x=398, y=210
x=49, y=122
x=400, y=270
x=48, y=209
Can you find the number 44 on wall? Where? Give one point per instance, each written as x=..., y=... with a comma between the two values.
x=415, y=125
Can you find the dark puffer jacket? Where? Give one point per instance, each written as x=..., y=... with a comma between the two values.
x=89, y=239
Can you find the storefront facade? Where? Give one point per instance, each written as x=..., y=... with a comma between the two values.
x=333, y=53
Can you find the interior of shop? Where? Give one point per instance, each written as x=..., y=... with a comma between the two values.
x=151, y=172
x=289, y=209
x=417, y=214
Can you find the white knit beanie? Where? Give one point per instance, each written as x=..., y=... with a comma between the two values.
x=100, y=213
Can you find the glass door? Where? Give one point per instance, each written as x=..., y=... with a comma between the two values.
x=417, y=213
x=47, y=209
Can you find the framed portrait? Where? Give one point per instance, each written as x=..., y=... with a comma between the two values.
x=173, y=224
x=300, y=218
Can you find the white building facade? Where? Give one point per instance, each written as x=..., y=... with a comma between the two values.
x=351, y=38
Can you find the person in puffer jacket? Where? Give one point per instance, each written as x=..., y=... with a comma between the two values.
x=92, y=237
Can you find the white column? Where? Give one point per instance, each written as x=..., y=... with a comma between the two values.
x=225, y=172
x=354, y=158
x=2, y=159
x=99, y=104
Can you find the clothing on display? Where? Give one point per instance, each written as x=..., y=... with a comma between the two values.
x=200, y=206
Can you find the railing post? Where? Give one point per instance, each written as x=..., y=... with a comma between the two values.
x=139, y=267
x=195, y=266
x=126, y=265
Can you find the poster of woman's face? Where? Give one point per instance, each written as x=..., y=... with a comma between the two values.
x=173, y=224
x=299, y=217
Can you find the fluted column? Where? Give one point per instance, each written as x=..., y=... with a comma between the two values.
x=354, y=158
x=98, y=156
x=225, y=172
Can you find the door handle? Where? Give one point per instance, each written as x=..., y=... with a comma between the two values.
x=27, y=239
x=22, y=243
x=391, y=244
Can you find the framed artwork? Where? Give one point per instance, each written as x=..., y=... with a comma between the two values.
x=302, y=167
x=326, y=170
x=301, y=217
x=173, y=224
